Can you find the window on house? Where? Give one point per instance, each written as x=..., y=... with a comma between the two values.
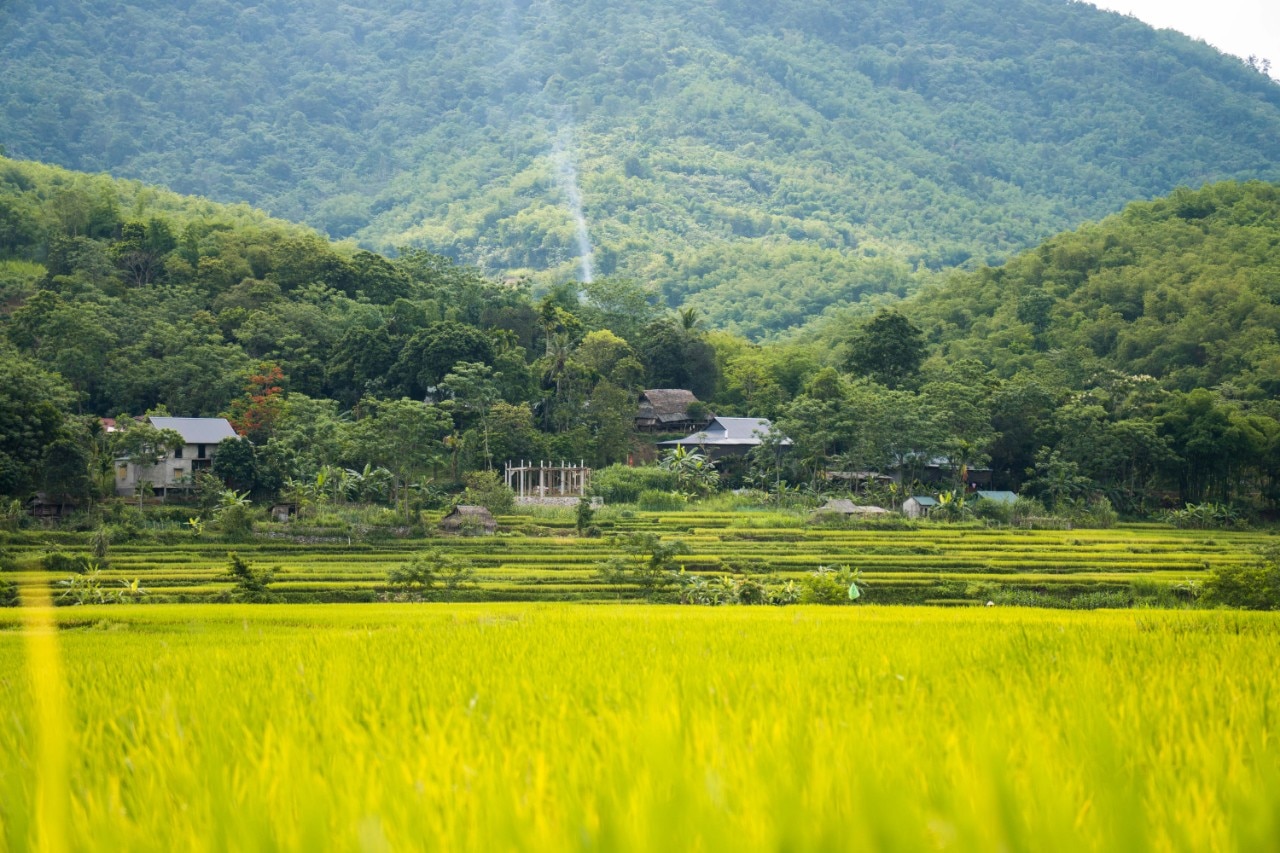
x=177, y=452
x=200, y=450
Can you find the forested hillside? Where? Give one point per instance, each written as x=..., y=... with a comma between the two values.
x=763, y=163
x=1134, y=359
x=119, y=298
x=1184, y=289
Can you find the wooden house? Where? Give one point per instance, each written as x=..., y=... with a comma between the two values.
x=668, y=410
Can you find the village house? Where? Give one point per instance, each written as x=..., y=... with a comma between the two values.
x=918, y=506
x=726, y=437
x=669, y=410
x=179, y=469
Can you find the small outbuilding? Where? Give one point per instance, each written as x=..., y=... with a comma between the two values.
x=49, y=506
x=284, y=512
x=473, y=520
x=918, y=506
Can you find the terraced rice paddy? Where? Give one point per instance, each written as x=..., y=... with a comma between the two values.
x=545, y=560
x=551, y=727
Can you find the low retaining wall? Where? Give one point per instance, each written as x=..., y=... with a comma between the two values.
x=555, y=501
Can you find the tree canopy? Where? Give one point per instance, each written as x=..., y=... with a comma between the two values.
x=765, y=163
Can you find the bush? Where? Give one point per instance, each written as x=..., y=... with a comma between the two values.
x=60, y=562
x=584, y=515
x=1024, y=509
x=486, y=489
x=1096, y=512
x=125, y=521
x=1255, y=587
x=1102, y=600
x=429, y=572
x=623, y=483
x=250, y=584
x=1204, y=516
x=697, y=589
x=830, y=585
x=653, y=500
x=8, y=594
x=647, y=562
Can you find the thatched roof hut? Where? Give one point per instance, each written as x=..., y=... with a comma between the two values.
x=469, y=519
x=844, y=506
x=667, y=410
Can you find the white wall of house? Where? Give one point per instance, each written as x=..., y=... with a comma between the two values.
x=176, y=471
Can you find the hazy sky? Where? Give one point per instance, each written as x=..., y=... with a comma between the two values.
x=1239, y=27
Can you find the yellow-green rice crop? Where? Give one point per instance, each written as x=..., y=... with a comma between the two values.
x=550, y=727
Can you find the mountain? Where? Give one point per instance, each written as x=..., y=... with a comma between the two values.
x=763, y=163
x=1184, y=290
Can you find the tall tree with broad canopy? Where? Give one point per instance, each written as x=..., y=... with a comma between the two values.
x=887, y=348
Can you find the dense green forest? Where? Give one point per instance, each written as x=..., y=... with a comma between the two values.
x=763, y=163
x=1132, y=361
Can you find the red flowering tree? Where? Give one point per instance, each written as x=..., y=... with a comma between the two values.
x=255, y=414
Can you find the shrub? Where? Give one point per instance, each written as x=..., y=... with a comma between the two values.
x=1096, y=512
x=486, y=489
x=653, y=500
x=583, y=515
x=101, y=543
x=623, y=483
x=1255, y=587
x=831, y=585
x=250, y=584
x=61, y=563
x=235, y=515
x=646, y=561
x=697, y=589
x=1203, y=516
x=787, y=593
x=429, y=572
x=1024, y=509
x=997, y=512
x=125, y=521
x=92, y=588
x=1102, y=599
x=13, y=515
x=8, y=594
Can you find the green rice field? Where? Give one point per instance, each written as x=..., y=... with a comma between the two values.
x=542, y=559
x=528, y=726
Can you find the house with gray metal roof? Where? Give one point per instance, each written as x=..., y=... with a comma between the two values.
x=179, y=469
x=727, y=437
